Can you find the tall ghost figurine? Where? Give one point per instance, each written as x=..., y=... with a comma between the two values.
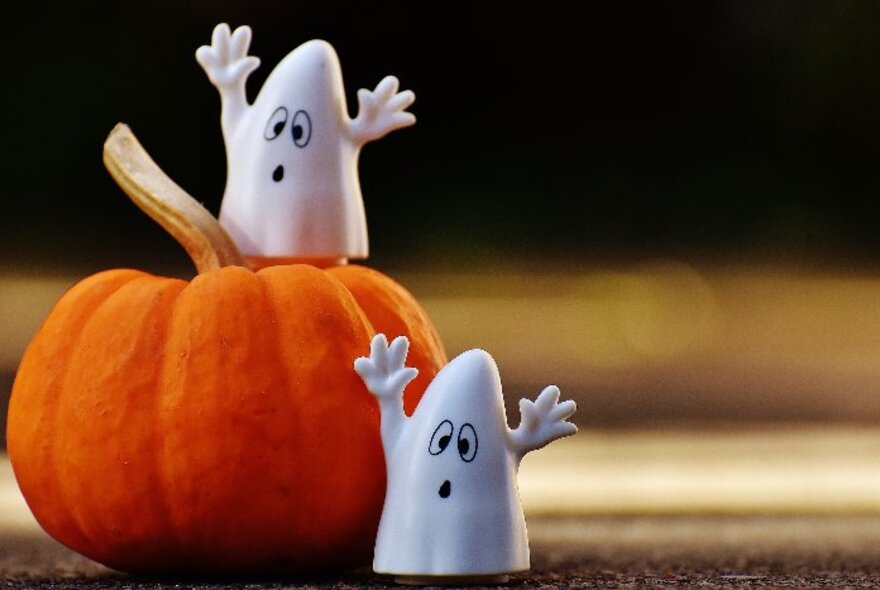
x=292, y=187
x=452, y=511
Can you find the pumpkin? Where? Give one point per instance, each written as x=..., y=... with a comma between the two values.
x=214, y=425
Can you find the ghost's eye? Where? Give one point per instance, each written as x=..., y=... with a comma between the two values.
x=301, y=128
x=467, y=443
x=276, y=124
x=441, y=437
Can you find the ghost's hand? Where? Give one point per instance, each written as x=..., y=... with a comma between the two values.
x=226, y=60
x=381, y=111
x=543, y=421
x=384, y=372
x=228, y=66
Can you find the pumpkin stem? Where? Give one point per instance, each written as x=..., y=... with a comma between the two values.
x=188, y=222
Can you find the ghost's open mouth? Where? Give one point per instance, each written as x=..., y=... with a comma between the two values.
x=278, y=173
x=445, y=489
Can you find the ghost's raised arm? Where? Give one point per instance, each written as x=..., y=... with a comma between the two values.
x=228, y=66
x=542, y=422
x=386, y=376
x=381, y=111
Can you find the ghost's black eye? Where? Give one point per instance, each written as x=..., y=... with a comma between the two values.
x=301, y=128
x=276, y=124
x=441, y=437
x=467, y=443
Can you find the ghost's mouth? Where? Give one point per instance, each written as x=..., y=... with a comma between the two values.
x=445, y=489
x=278, y=173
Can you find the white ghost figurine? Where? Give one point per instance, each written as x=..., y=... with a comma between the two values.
x=292, y=187
x=452, y=511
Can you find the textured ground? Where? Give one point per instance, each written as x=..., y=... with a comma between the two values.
x=582, y=552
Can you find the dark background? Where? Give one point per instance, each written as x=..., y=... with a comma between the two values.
x=573, y=132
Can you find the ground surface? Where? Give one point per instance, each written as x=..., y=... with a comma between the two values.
x=582, y=552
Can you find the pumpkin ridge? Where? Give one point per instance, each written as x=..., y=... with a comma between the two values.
x=61, y=490
x=168, y=524
x=170, y=407
x=326, y=324
x=164, y=479
x=79, y=511
x=272, y=323
x=273, y=319
x=267, y=277
x=215, y=457
x=164, y=293
x=37, y=430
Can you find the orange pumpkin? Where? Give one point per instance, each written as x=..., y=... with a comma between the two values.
x=213, y=425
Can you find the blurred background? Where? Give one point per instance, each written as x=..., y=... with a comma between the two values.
x=734, y=132
x=669, y=210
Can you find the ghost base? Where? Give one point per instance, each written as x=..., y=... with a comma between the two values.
x=466, y=580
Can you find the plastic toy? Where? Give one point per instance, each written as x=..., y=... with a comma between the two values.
x=292, y=185
x=214, y=425
x=452, y=512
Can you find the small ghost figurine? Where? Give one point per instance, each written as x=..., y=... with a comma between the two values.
x=452, y=512
x=292, y=187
